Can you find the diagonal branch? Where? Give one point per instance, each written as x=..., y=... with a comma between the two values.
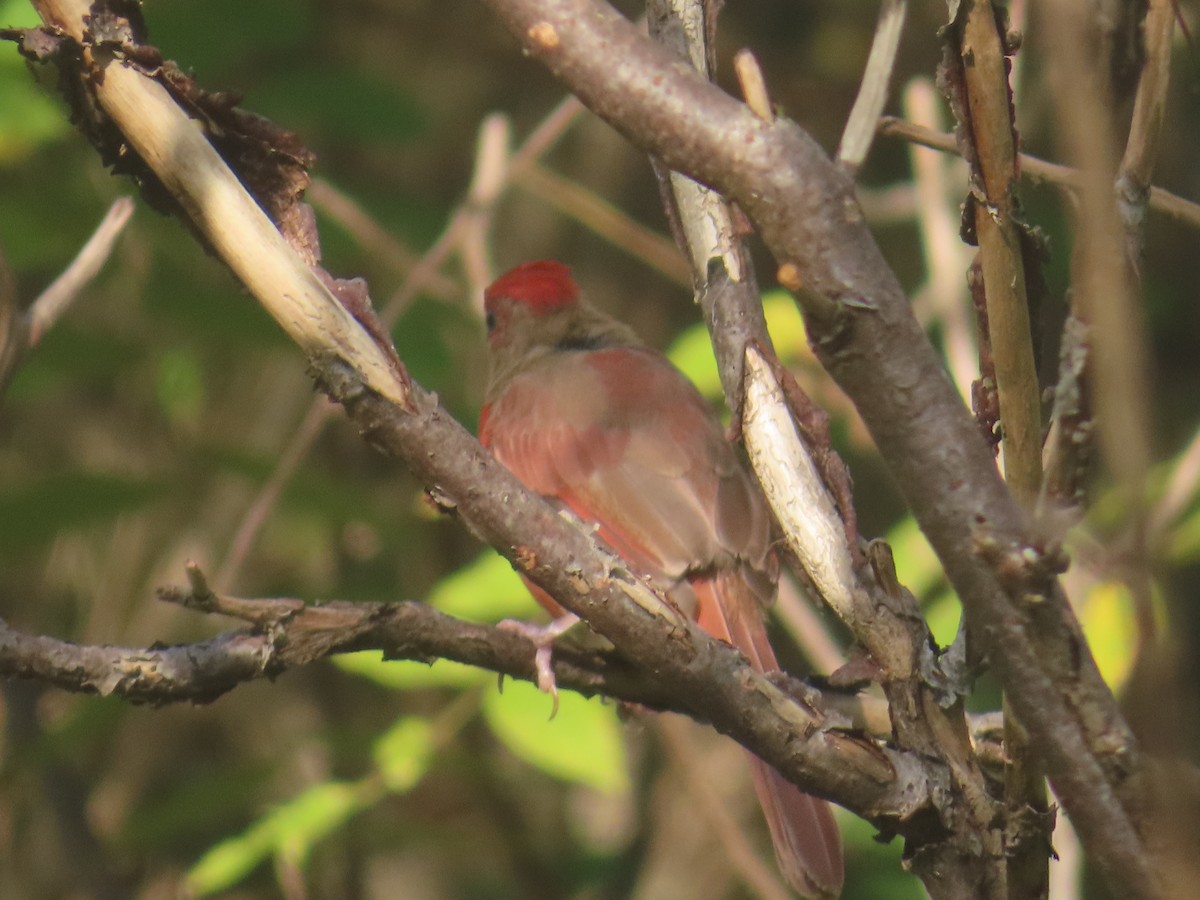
x=20, y=332
x=287, y=634
x=863, y=330
x=708, y=678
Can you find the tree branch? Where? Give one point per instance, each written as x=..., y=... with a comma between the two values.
x=1039, y=170
x=709, y=679
x=865, y=334
x=20, y=331
x=287, y=634
x=863, y=331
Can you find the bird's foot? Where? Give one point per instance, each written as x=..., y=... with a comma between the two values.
x=543, y=638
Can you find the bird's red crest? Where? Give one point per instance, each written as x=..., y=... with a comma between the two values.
x=544, y=285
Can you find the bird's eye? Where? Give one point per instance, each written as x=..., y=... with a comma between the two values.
x=490, y=320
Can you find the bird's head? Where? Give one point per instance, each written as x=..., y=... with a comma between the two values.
x=535, y=311
x=531, y=303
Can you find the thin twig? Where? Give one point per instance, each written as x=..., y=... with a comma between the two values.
x=946, y=258
x=1178, y=493
x=319, y=412
x=987, y=123
x=597, y=214
x=380, y=243
x=488, y=181
x=753, y=84
x=749, y=866
x=863, y=331
x=1149, y=107
x=54, y=301
x=991, y=128
x=20, y=331
x=1184, y=211
x=862, y=124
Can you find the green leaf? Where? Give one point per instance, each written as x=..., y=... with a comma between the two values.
x=485, y=590
x=1183, y=539
x=18, y=14
x=404, y=753
x=786, y=327
x=1109, y=622
x=180, y=386
x=290, y=831
x=692, y=352
x=582, y=743
x=943, y=613
x=916, y=564
x=406, y=675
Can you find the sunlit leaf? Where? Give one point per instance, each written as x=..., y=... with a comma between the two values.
x=18, y=14
x=692, y=351
x=942, y=614
x=693, y=355
x=290, y=830
x=916, y=564
x=404, y=752
x=786, y=327
x=410, y=675
x=1110, y=624
x=582, y=743
x=485, y=590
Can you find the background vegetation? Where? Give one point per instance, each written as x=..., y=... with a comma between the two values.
x=149, y=426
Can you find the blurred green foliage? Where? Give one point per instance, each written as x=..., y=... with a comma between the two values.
x=140, y=431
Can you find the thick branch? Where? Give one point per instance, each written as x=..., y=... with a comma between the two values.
x=288, y=634
x=867, y=338
x=203, y=671
x=709, y=678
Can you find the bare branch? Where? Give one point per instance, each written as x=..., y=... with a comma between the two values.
x=864, y=333
x=560, y=555
x=21, y=332
x=425, y=275
x=289, y=288
x=54, y=301
x=288, y=634
x=977, y=76
x=1149, y=107
x=873, y=92
x=1040, y=171
x=604, y=219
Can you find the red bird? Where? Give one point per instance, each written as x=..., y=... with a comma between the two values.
x=581, y=412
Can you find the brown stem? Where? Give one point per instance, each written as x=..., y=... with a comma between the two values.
x=1040, y=171
x=867, y=338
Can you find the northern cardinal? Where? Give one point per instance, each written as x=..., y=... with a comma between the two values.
x=582, y=412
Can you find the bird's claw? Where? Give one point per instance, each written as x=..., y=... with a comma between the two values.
x=543, y=638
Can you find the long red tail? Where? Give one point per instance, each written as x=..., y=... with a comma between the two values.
x=808, y=845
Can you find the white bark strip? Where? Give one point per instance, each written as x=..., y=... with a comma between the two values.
x=802, y=505
x=246, y=239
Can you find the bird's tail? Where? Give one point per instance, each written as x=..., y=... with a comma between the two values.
x=808, y=845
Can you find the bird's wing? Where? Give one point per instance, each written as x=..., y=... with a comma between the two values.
x=624, y=439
